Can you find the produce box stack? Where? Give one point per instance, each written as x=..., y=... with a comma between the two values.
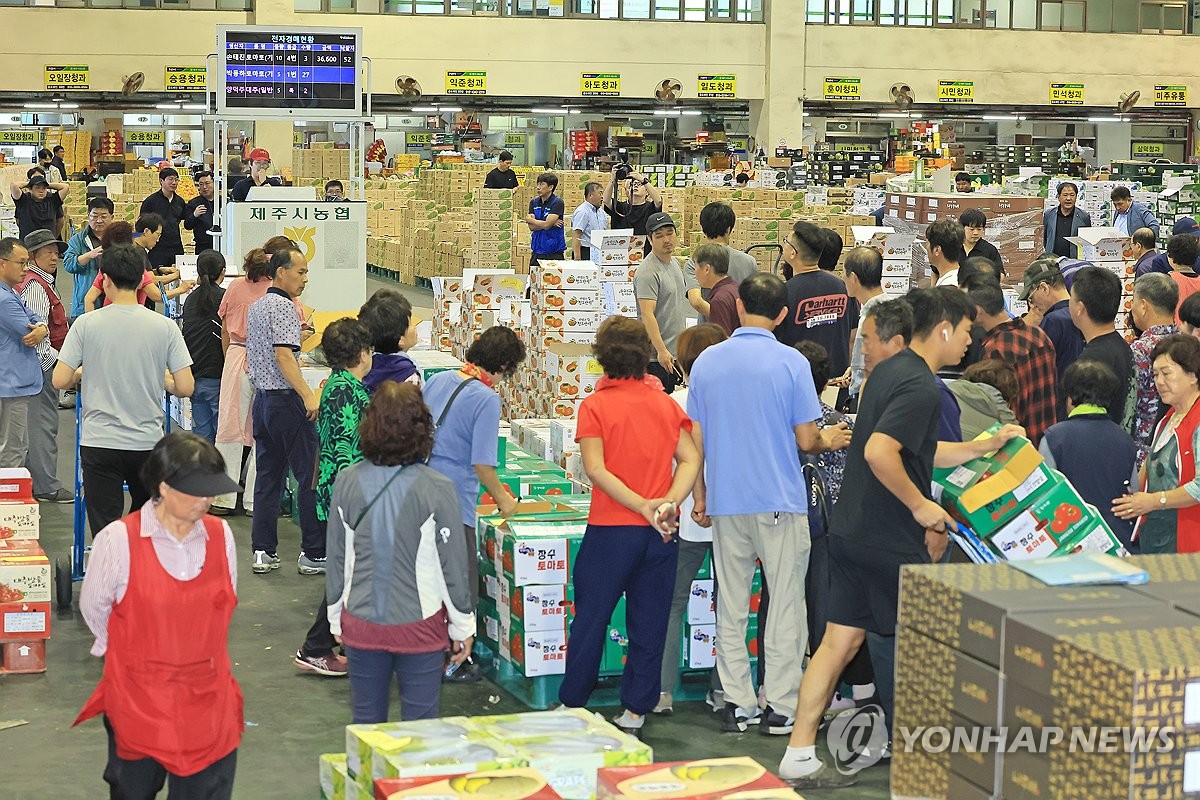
x=538, y=755
x=897, y=252
x=979, y=652
x=76, y=205
x=493, y=222
x=705, y=779
x=447, y=306
x=1172, y=205
x=1017, y=508
x=480, y=305
x=583, y=142
x=25, y=577
x=567, y=308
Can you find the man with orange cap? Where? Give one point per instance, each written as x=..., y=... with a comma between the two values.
x=260, y=162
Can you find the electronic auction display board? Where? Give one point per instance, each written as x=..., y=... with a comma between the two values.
x=264, y=71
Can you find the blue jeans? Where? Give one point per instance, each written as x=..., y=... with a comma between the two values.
x=205, y=400
x=419, y=675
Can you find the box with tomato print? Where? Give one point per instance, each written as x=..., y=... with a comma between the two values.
x=1057, y=522
x=20, y=521
x=24, y=591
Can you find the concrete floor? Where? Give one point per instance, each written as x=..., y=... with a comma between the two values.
x=292, y=717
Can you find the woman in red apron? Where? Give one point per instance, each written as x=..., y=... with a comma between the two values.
x=158, y=595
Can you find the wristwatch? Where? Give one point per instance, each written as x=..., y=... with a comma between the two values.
x=1162, y=499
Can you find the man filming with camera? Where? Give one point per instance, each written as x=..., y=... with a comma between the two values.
x=642, y=199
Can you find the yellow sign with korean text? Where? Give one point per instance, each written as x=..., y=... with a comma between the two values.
x=600, y=84
x=31, y=136
x=76, y=77
x=843, y=88
x=1149, y=149
x=186, y=79
x=418, y=139
x=514, y=139
x=146, y=137
x=1170, y=96
x=466, y=82
x=956, y=91
x=716, y=86
x=1066, y=94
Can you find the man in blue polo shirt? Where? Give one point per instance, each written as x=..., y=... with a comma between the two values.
x=285, y=408
x=754, y=402
x=545, y=219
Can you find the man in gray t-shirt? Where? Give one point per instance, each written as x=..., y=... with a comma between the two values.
x=717, y=220
x=659, y=288
x=126, y=351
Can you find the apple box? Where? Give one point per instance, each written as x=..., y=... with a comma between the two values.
x=1102, y=244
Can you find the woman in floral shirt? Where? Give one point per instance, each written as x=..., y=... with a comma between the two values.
x=347, y=347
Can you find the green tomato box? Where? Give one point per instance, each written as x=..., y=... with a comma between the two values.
x=985, y=493
x=527, y=481
x=1056, y=522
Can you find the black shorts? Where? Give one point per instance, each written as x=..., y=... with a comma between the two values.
x=865, y=585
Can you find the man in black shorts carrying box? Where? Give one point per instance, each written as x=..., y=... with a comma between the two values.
x=884, y=517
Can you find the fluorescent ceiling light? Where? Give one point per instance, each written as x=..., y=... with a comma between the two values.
x=547, y=111
x=689, y=113
x=68, y=105
x=167, y=107
x=451, y=109
x=1105, y=119
x=576, y=111
x=1000, y=117
x=894, y=115
x=425, y=109
x=193, y=107
x=661, y=112
x=51, y=106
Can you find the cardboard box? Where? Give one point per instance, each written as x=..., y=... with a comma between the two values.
x=1102, y=244
x=22, y=656
x=368, y=746
x=706, y=779
x=539, y=608
x=702, y=603
x=566, y=275
x=512, y=784
x=702, y=646
x=20, y=520
x=567, y=300
x=1057, y=522
x=16, y=485
x=948, y=678
x=986, y=492
x=891, y=244
x=490, y=289
x=619, y=246
x=620, y=298
x=571, y=369
x=25, y=575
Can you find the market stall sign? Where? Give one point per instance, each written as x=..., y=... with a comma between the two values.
x=843, y=88
x=186, y=79
x=514, y=140
x=1149, y=149
x=72, y=77
x=466, y=82
x=716, y=86
x=418, y=139
x=1066, y=94
x=956, y=91
x=649, y=148
x=600, y=84
x=33, y=137
x=297, y=138
x=1173, y=96
x=739, y=142
x=855, y=148
x=146, y=137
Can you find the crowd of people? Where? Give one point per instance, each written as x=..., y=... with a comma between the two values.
x=705, y=441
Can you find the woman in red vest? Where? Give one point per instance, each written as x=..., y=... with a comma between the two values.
x=1169, y=505
x=159, y=592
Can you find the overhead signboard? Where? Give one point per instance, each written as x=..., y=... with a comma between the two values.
x=1170, y=96
x=1153, y=149
x=515, y=139
x=716, y=86
x=75, y=77
x=956, y=91
x=466, y=82
x=29, y=136
x=186, y=79
x=1066, y=94
x=145, y=137
x=600, y=84
x=837, y=88
x=418, y=139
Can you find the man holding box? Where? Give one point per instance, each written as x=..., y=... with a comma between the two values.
x=884, y=517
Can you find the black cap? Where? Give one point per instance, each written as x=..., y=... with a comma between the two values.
x=38, y=180
x=194, y=480
x=657, y=220
x=42, y=237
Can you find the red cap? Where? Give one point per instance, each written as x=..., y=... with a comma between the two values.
x=259, y=154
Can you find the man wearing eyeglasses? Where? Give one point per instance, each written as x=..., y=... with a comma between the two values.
x=260, y=162
x=82, y=258
x=21, y=331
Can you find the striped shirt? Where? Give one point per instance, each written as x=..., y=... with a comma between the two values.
x=39, y=303
x=108, y=568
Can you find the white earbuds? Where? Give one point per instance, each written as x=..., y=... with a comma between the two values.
x=946, y=335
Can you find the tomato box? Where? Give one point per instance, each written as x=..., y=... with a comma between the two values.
x=546, y=299
x=702, y=646
x=1102, y=244
x=536, y=653
x=566, y=275
x=24, y=573
x=985, y=493
x=702, y=605
x=619, y=246
x=16, y=485
x=539, y=608
x=707, y=779
x=1056, y=515
x=20, y=521
x=489, y=289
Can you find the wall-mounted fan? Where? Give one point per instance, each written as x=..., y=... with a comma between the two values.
x=407, y=86
x=131, y=84
x=667, y=91
x=902, y=96
x=1126, y=102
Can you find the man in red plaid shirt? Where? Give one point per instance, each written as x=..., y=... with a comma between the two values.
x=1025, y=348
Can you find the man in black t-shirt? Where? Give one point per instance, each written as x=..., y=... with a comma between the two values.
x=38, y=204
x=502, y=176
x=167, y=203
x=819, y=307
x=1095, y=301
x=884, y=517
x=644, y=200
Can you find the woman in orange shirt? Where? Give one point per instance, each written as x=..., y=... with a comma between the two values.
x=630, y=434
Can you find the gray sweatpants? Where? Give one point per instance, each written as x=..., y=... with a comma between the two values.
x=14, y=431
x=781, y=542
x=691, y=558
x=43, y=437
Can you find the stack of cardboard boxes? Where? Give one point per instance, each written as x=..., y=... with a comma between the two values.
x=1018, y=508
x=897, y=252
x=1066, y=692
x=493, y=234
x=25, y=577
x=1112, y=250
x=318, y=163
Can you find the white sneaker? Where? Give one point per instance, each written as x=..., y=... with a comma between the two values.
x=664, y=704
x=264, y=562
x=715, y=699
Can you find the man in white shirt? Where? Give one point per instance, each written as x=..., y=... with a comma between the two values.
x=946, y=240
x=587, y=218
